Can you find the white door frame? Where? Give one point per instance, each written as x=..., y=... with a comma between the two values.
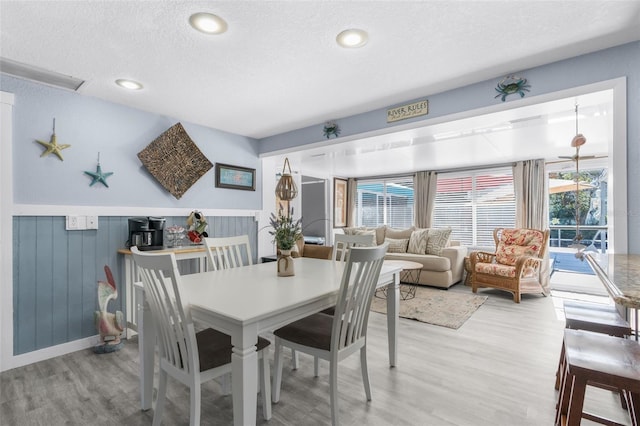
x=6, y=230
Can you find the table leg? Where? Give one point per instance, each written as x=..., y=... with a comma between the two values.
x=410, y=283
x=635, y=316
x=244, y=367
x=130, y=303
x=146, y=350
x=393, y=306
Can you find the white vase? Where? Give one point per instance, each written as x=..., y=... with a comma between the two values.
x=285, y=264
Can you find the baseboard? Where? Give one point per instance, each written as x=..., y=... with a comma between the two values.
x=50, y=352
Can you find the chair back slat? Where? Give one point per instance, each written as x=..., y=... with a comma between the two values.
x=357, y=287
x=172, y=319
x=342, y=243
x=228, y=252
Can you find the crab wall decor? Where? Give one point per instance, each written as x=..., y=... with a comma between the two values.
x=512, y=84
x=331, y=128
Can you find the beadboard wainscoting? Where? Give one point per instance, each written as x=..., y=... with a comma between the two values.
x=55, y=273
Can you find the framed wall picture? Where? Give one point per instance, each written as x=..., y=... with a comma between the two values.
x=235, y=177
x=340, y=203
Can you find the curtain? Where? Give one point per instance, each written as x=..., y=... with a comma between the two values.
x=352, y=194
x=425, y=186
x=531, y=204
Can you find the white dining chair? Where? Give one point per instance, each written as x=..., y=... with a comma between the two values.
x=335, y=337
x=342, y=243
x=189, y=357
x=225, y=253
x=228, y=252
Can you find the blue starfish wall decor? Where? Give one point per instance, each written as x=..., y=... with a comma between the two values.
x=98, y=175
x=52, y=147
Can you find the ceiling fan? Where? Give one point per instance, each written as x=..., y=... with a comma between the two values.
x=578, y=140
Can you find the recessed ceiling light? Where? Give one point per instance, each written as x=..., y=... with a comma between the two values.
x=352, y=38
x=208, y=23
x=129, y=84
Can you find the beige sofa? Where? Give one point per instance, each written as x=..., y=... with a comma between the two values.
x=441, y=271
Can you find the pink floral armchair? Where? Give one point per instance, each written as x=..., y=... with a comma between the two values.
x=516, y=264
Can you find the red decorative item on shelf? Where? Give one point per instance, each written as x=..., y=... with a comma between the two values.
x=197, y=224
x=194, y=237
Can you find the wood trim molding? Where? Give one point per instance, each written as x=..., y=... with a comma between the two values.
x=60, y=210
x=6, y=230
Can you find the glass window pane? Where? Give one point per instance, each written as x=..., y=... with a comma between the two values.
x=385, y=202
x=471, y=203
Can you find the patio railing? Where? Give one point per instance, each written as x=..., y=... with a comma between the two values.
x=594, y=237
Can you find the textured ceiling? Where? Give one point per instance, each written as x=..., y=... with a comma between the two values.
x=278, y=67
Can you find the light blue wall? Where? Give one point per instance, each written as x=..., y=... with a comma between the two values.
x=56, y=271
x=621, y=61
x=118, y=132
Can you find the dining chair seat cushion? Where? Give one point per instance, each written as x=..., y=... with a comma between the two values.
x=313, y=331
x=214, y=348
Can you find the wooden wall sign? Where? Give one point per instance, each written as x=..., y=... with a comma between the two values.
x=403, y=112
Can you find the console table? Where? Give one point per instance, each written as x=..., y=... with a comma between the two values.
x=620, y=274
x=186, y=252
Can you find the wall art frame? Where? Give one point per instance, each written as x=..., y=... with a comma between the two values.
x=166, y=156
x=340, y=202
x=235, y=177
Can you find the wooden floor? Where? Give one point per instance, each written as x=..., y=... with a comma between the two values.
x=497, y=369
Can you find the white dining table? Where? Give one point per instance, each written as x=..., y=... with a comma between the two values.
x=248, y=301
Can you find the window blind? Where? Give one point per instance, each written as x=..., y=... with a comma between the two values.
x=474, y=203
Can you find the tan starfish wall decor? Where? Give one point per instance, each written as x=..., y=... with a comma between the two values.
x=52, y=147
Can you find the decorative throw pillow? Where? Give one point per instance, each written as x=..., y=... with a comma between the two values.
x=508, y=255
x=366, y=232
x=398, y=234
x=418, y=241
x=396, y=246
x=438, y=240
x=349, y=231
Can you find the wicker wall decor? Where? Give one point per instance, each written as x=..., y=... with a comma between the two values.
x=175, y=161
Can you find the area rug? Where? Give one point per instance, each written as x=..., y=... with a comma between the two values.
x=439, y=307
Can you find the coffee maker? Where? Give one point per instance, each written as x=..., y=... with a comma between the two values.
x=147, y=233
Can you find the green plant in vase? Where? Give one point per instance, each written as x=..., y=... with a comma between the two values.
x=285, y=230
